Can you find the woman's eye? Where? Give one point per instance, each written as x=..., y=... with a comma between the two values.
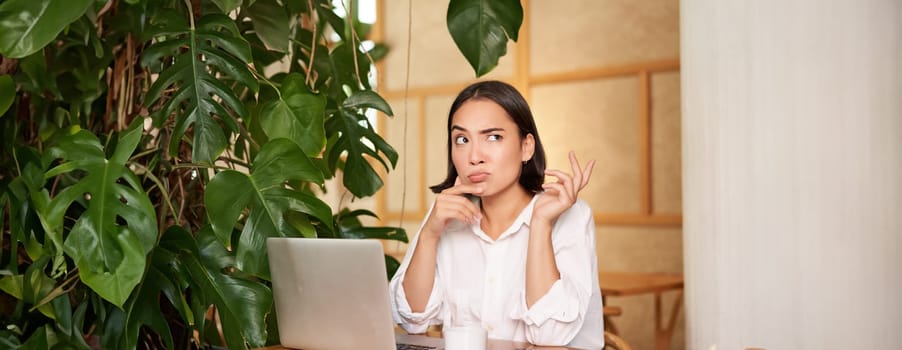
x=494, y=137
x=460, y=140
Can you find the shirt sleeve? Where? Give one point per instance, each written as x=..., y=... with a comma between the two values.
x=414, y=322
x=557, y=316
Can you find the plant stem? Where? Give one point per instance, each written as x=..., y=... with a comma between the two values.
x=159, y=184
x=61, y=289
x=350, y=19
x=312, y=46
x=190, y=13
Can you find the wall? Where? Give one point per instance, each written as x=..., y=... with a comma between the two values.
x=603, y=79
x=792, y=139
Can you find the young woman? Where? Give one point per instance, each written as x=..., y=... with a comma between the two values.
x=499, y=248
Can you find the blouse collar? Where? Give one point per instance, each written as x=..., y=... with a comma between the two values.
x=522, y=220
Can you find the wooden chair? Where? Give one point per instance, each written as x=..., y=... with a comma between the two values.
x=610, y=311
x=611, y=339
x=615, y=342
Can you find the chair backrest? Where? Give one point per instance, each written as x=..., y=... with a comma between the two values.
x=613, y=341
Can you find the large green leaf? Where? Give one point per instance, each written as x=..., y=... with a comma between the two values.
x=481, y=28
x=202, y=57
x=322, y=62
x=228, y=193
x=263, y=57
x=7, y=93
x=31, y=287
x=37, y=78
x=271, y=23
x=357, y=139
x=122, y=326
x=328, y=17
x=348, y=225
x=29, y=25
x=242, y=304
x=264, y=193
x=69, y=324
x=367, y=99
x=297, y=115
x=347, y=70
x=111, y=237
x=39, y=339
x=80, y=65
x=23, y=219
x=391, y=266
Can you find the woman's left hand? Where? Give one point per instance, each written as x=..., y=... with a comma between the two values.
x=560, y=196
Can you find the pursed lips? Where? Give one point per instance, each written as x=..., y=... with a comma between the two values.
x=478, y=177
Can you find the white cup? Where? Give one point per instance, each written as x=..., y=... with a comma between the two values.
x=464, y=338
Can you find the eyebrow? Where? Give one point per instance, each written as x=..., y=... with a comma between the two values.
x=483, y=131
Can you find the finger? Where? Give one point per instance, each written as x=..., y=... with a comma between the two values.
x=456, y=181
x=550, y=190
x=574, y=165
x=472, y=210
x=586, y=174
x=455, y=213
x=462, y=214
x=457, y=202
x=567, y=180
x=475, y=189
x=560, y=191
x=563, y=178
x=447, y=213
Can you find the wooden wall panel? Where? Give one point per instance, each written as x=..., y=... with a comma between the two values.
x=583, y=34
x=598, y=120
x=410, y=156
x=667, y=194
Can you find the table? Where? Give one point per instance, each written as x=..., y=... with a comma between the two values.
x=635, y=283
x=493, y=344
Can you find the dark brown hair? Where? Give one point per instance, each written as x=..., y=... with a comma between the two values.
x=506, y=96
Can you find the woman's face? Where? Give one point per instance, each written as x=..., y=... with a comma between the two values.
x=486, y=147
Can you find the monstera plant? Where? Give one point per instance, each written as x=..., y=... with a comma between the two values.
x=150, y=147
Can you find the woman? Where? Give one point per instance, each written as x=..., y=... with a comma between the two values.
x=499, y=248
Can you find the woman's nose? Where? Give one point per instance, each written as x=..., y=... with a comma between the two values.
x=476, y=156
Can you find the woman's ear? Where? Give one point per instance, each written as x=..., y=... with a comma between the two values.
x=528, y=148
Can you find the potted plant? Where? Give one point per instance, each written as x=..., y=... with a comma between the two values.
x=146, y=153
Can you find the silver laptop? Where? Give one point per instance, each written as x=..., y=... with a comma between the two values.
x=333, y=294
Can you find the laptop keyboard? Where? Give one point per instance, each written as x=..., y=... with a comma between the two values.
x=414, y=347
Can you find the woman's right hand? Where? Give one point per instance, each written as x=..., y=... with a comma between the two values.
x=453, y=204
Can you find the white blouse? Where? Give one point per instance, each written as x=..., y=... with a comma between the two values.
x=478, y=280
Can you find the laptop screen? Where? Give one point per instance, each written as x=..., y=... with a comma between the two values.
x=331, y=294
